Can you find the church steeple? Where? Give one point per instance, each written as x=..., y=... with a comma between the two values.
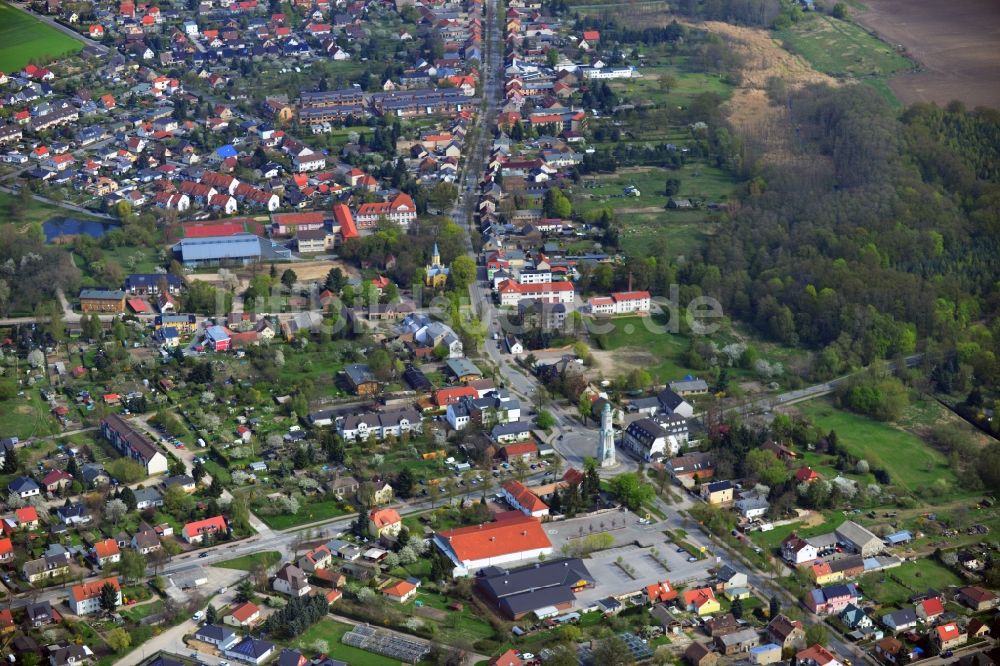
x=436, y=256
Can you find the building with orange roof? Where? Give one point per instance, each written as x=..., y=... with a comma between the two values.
x=86, y=598
x=511, y=538
x=384, y=523
x=107, y=552
x=660, y=592
x=245, y=615
x=701, y=601
x=6, y=549
x=401, y=592
x=508, y=658
x=27, y=517
x=453, y=395
x=806, y=475
x=518, y=451
x=194, y=532
x=285, y=224
x=511, y=292
x=400, y=209
x=930, y=609
x=823, y=574
x=816, y=655
x=948, y=636
x=521, y=498
x=344, y=220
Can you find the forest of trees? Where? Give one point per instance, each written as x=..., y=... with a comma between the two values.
x=887, y=237
x=31, y=271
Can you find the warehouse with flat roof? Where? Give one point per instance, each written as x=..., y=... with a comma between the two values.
x=241, y=249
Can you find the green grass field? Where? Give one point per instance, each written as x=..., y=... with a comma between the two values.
x=683, y=85
x=248, y=562
x=25, y=39
x=332, y=632
x=26, y=416
x=842, y=48
x=894, y=586
x=910, y=461
x=309, y=513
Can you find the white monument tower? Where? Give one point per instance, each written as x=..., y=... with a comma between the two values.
x=606, y=444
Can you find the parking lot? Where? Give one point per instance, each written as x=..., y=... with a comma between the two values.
x=634, y=543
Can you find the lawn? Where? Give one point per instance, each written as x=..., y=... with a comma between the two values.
x=894, y=587
x=842, y=48
x=309, y=513
x=651, y=85
x=771, y=539
x=136, y=613
x=26, y=416
x=908, y=459
x=248, y=562
x=331, y=632
x=26, y=39
x=925, y=573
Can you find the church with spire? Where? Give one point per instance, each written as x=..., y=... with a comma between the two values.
x=435, y=275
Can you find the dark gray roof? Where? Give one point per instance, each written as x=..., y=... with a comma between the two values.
x=252, y=647
x=536, y=586
x=669, y=399
x=359, y=373
x=214, y=632
x=23, y=484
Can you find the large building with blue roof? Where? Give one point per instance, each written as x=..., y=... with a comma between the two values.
x=238, y=249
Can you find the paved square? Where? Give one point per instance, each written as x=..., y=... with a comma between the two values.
x=633, y=543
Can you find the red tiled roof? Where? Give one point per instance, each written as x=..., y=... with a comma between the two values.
x=523, y=495
x=447, y=396
x=816, y=653
x=948, y=632
x=519, y=449
x=106, y=548
x=6, y=546
x=508, y=658
x=661, y=591
x=806, y=474
x=932, y=606
x=698, y=597
x=216, y=524
x=383, y=517
x=512, y=532
x=400, y=589
x=26, y=514
x=214, y=229
x=630, y=295
x=291, y=219
x=245, y=612
x=93, y=589
x=342, y=215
